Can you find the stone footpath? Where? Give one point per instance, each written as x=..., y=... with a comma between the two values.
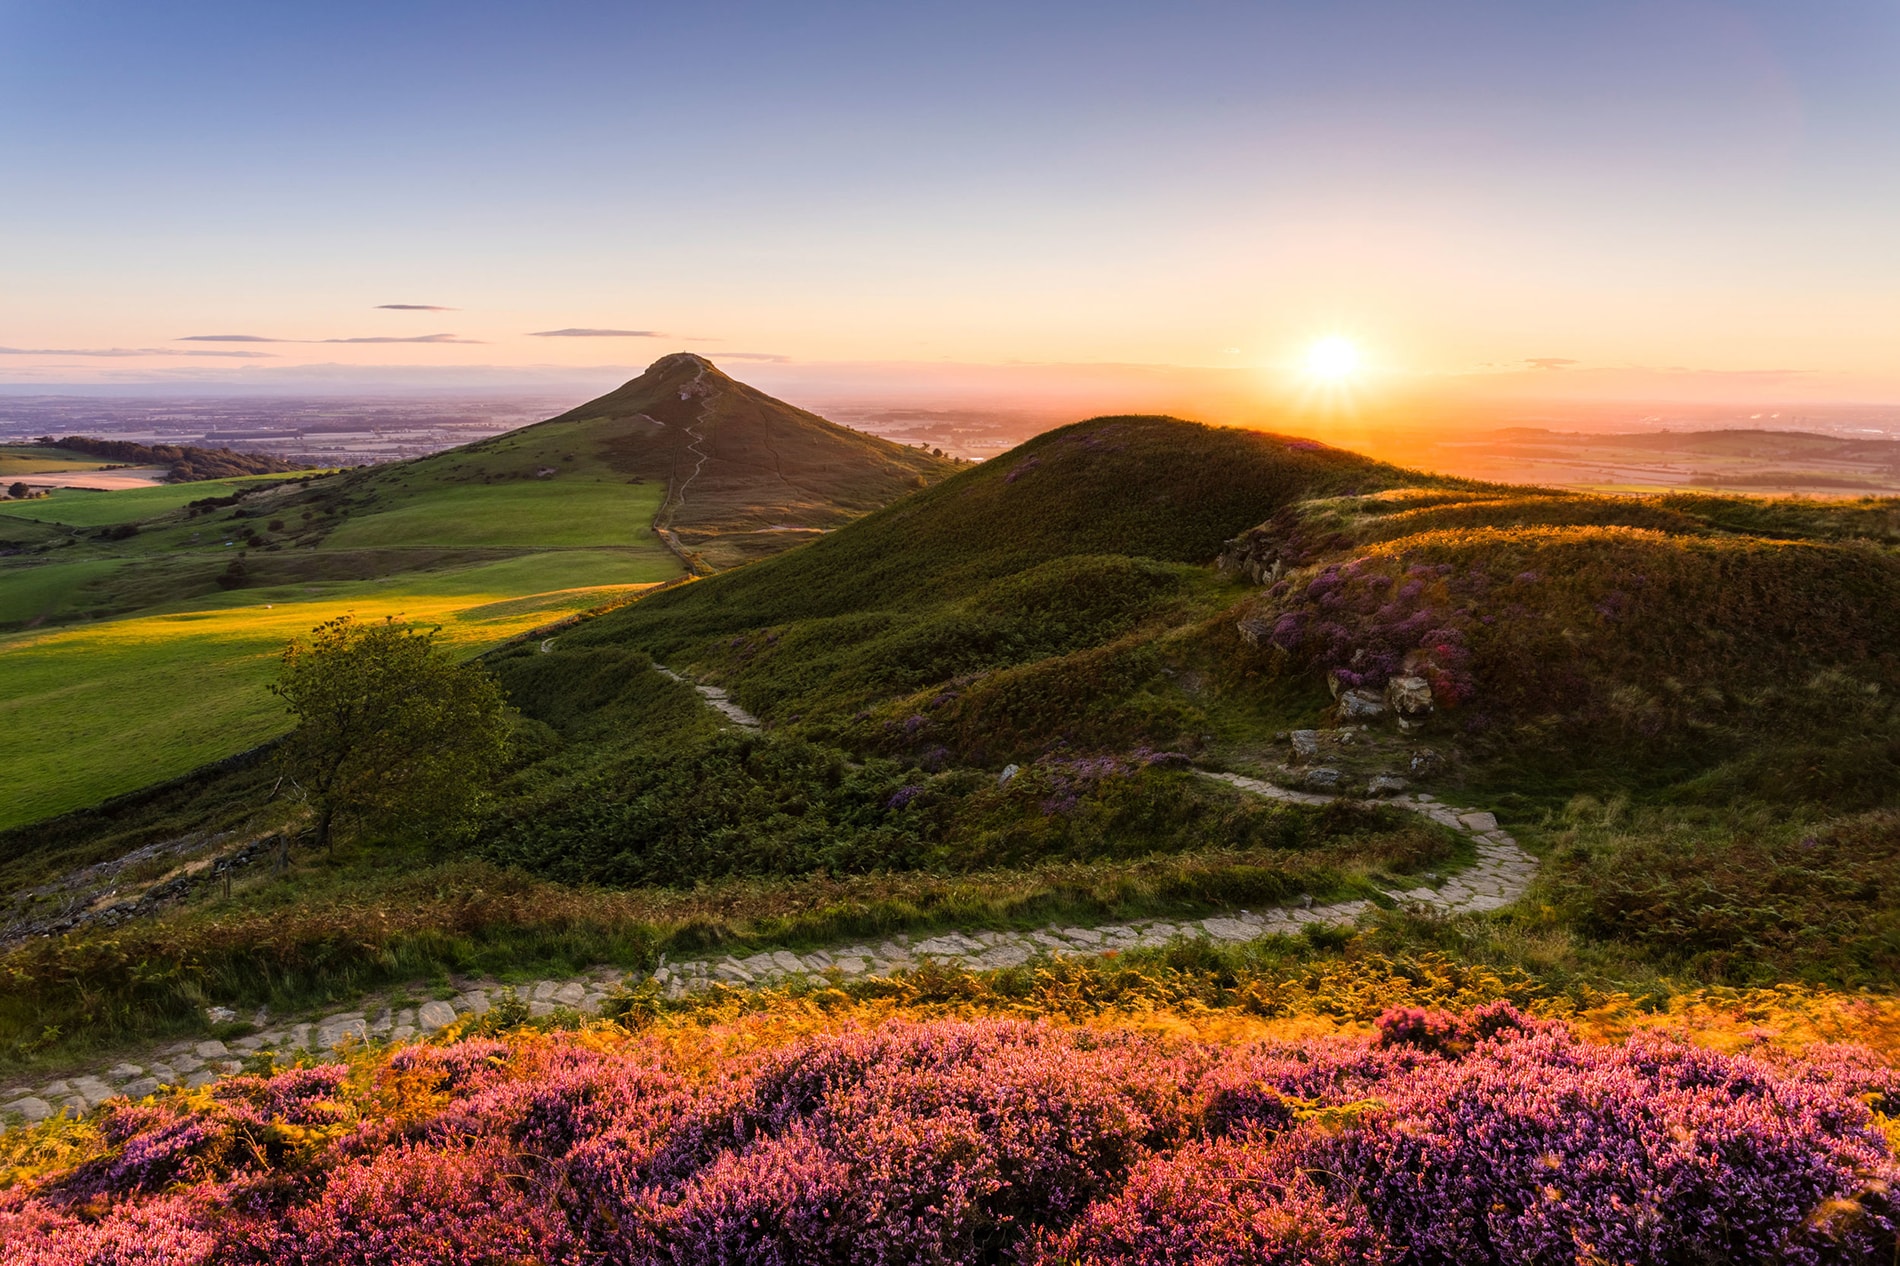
x=716, y=699
x=1498, y=877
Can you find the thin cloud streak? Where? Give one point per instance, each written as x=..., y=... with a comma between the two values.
x=380, y=338
x=586, y=333
x=413, y=307
x=116, y=352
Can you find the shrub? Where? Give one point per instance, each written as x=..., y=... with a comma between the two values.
x=956, y=1141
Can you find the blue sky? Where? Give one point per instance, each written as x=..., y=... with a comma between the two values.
x=1458, y=187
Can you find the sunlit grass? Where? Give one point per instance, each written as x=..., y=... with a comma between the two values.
x=94, y=711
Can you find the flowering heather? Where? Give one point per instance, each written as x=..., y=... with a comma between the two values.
x=1556, y=619
x=1484, y=1137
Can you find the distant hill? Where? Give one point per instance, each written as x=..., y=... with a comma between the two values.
x=184, y=463
x=490, y=539
x=1144, y=582
x=745, y=474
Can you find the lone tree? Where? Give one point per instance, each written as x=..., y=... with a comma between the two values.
x=390, y=730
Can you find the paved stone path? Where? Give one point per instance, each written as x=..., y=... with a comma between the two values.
x=716, y=699
x=1498, y=877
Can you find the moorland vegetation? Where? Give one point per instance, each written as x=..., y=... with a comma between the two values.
x=993, y=702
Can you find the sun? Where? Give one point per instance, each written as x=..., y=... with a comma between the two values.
x=1332, y=359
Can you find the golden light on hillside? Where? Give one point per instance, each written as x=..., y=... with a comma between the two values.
x=1332, y=359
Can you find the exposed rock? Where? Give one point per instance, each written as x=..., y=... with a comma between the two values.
x=33, y=1108
x=1385, y=785
x=1360, y=705
x=140, y=1088
x=1409, y=697
x=1257, y=554
x=220, y=1015
x=210, y=1050
x=1479, y=822
x=1426, y=762
x=1009, y=772
x=1305, y=744
x=435, y=1015
x=1321, y=778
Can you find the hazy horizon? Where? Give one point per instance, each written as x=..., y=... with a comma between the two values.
x=1648, y=205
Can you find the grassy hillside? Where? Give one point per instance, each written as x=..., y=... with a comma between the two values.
x=137, y=627
x=745, y=475
x=1686, y=703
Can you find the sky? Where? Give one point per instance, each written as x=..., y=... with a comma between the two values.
x=1664, y=199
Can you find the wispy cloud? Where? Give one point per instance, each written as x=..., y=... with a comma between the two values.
x=772, y=357
x=583, y=333
x=380, y=338
x=117, y=352
x=413, y=307
x=1549, y=362
x=421, y=338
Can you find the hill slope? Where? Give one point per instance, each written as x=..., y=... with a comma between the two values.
x=744, y=473
x=1064, y=597
x=1686, y=703
x=186, y=593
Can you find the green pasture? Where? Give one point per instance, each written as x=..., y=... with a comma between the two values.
x=48, y=589
x=80, y=507
x=91, y=711
x=537, y=514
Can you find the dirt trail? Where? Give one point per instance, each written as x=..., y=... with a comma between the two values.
x=1501, y=874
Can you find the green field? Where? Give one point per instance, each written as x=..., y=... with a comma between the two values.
x=145, y=631
x=539, y=514
x=28, y=593
x=91, y=711
x=81, y=507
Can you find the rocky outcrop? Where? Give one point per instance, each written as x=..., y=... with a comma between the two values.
x=1409, y=697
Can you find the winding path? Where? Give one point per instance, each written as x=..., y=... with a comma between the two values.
x=1500, y=875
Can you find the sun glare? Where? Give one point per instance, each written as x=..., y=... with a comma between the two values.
x=1332, y=359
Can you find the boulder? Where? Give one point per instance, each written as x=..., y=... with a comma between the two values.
x=1009, y=772
x=1360, y=704
x=1410, y=697
x=435, y=1015
x=33, y=1108
x=1385, y=785
x=1305, y=744
x=1426, y=762
x=1321, y=778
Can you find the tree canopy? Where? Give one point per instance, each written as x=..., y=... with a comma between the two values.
x=392, y=733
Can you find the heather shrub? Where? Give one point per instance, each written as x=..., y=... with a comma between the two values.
x=1538, y=1148
x=1224, y=1203
x=954, y=1141
x=1613, y=627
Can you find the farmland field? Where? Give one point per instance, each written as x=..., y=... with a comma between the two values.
x=90, y=711
x=79, y=507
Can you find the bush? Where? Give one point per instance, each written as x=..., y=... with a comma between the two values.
x=955, y=1141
